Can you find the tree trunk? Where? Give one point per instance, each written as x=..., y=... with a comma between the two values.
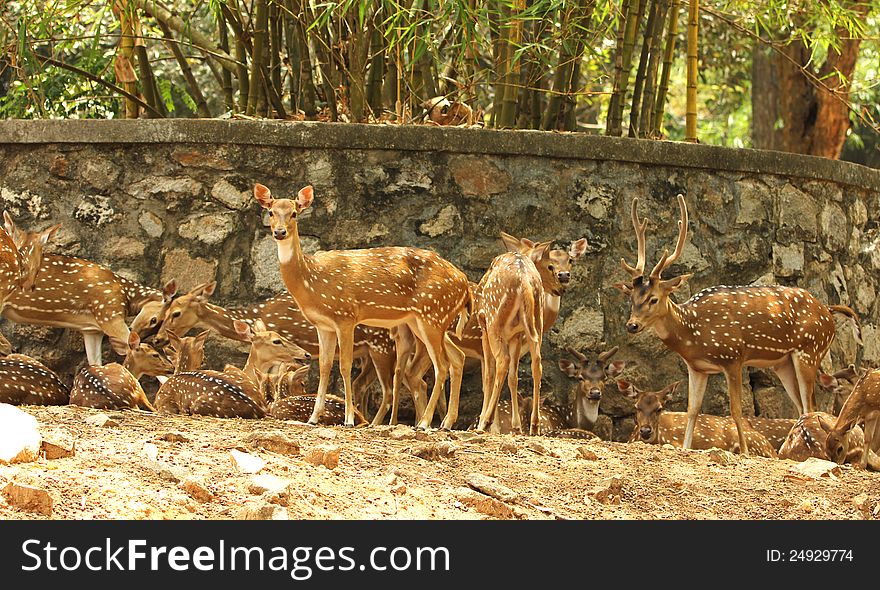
x=256, y=96
x=668, y=54
x=765, y=100
x=615, y=111
x=692, y=36
x=641, y=71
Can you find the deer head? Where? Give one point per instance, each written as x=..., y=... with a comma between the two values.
x=840, y=384
x=269, y=348
x=182, y=314
x=283, y=212
x=591, y=375
x=649, y=406
x=554, y=266
x=186, y=354
x=650, y=295
x=147, y=322
x=30, y=247
x=143, y=359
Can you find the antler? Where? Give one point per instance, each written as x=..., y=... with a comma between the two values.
x=666, y=260
x=639, y=269
x=576, y=354
x=608, y=354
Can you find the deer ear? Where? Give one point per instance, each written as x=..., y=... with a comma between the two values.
x=201, y=337
x=626, y=388
x=616, y=368
x=173, y=339
x=669, y=390
x=540, y=250
x=263, y=195
x=47, y=234
x=243, y=329
x=133, y=340
x=169, y=290
x=204, y=291
x=511, y=243
x=8, y=223
x=301, y=373
x=827, y=381
x=578, y=248
x=304, y=197
x=623, y=288
x=568, y=367
x=119, y=346
x=672, y=285
x=260, y=326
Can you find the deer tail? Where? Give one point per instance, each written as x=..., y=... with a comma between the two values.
x=848, y=312
x=465, y=312
x=527, y=314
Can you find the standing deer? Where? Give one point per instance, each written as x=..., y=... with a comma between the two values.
x=232, y=392
x=509, y=305
x=808, y=436
x=862, y=404
x=70, y=292
x=393, y=287
x=27, y=381
x=654, y=425
x=591, y=376
x=722, y=329
x=115, y=386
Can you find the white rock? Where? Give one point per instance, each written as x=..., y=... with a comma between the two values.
x=245, y=462
x=19, y=436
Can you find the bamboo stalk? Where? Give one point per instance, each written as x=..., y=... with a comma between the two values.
x=513, y=38
x=148, y=80
x=126, y=56
x=307, y=89
x=615, y=114
x=645, y=122
x=275, y=46
x=376, y=73
x=261, y=24
x=660, y=101
x=191, y=83
x=641, y=70
x=692, y=37
x=225, y=75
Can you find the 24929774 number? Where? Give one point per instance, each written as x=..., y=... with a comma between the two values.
x=817, y=555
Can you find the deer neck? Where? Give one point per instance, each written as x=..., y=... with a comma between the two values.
x=850, y=412
x=551, y=309
x=137, y=295
x=671, y=330
x=128, y=365
x=585, y=413
x=296, y=268
x=222, y=320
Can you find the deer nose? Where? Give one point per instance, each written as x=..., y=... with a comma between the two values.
x=645, y=432
x=595, y=394
x=633, y=327
x=280, y=233
x=564, y=277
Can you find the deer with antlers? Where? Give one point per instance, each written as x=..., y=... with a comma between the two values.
x=722, y=329
x=232, y=392
x=655, y=425
x=863, y=404
x=117, y=387
x=69, y=292
x=591, y=375
x=27, y=381
x=408, y=289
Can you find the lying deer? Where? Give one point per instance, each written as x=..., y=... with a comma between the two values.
x=117, y=387
x=656, y=426
x=69, y=292
x=27, y=381
x=291, y=402
x=808, y=436
x=232, y=392
x=862, y=404
x=775, y=430
x=722, y=329
x=591, y=376
x=553, y=421
x=409, y=289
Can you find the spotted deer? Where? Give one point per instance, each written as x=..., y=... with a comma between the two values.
x=117, y=387
x=509, y=305
x=863, y=404
x=70, y=292
x=18, y=267
x=655, y=425
x=553, y=421
x=840, y=384
x=591, y=375
x=148, y=321
x=408, y=289
x=722, y=329
x=232, y=392
x=27, y=381
x=808, y=436
x=554, y=266
x=775, y=430
x=292, y=402
x=373, y=347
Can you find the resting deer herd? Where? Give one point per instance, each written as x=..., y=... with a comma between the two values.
x=399, y=311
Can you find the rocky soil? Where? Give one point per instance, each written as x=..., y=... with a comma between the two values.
x=135, y=465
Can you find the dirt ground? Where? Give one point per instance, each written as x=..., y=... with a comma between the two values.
x=133, y=471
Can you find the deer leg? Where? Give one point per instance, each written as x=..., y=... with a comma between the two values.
x=788, y=377
x=456, y=368
x=513, y=386
x=433, y=339
x=326, y=352
x=870, y=432
x=502, y=363
x=140, y=399
x=93, y=342
x=806, y=375
x=734, y=392
x=384, y=365
x=696, y=390
x=345, y=334
x=362, y=382
x=537, y=374
x=415, y=381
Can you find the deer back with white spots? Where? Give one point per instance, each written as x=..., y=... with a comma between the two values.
x=27, y=381
x=392, y=287
x=655, y=425
x=116, y=387
x=808, y=435
x=722, y=329
x=292, y=402
x=863, y=404
x=70, y=292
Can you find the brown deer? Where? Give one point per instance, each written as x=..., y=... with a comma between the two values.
x=656, y=426
x=775, y=430
x=808, y=436
x=591, y=375
x=27, y=381
x=373, y=347
x=553, y=421
x=292, y=402
x=115, y=386
x=393, y=287
x=232, y=392
x=70, y=292
x=863, y=404
x=722, y=329
x=509, y=305
x=840, y=384
x=149, y=319
x=554, y=266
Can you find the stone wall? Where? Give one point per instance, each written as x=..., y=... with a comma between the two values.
x=160, y=199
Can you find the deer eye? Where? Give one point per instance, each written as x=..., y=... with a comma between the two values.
x=550, y=268
x=276, y=342
x=153, y=321
x=653, y=301
x=271, y=214
x=176, y=314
